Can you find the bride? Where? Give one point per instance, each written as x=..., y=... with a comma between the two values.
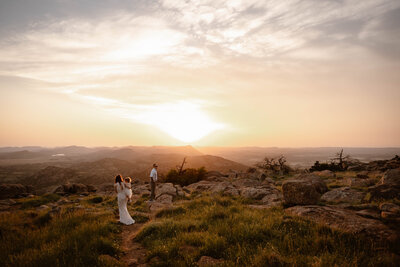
x=124, y=216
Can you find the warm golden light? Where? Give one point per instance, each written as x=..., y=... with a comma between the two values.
x=184, y=121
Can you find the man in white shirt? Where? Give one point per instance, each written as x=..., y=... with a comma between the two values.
x=153, y=180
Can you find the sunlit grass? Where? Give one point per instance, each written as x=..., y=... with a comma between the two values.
x=70, y=238
x=225, y=228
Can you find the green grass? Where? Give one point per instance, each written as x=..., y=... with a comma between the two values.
x=225, y=228
x=39, y=200
x=70, y=238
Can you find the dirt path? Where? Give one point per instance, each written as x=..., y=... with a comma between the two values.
x=134, y=252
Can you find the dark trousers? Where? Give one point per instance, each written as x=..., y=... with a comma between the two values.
x=153, y=189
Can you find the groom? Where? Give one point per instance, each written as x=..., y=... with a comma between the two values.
x=153, y=179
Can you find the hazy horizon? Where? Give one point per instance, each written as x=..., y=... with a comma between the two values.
x=205, y=73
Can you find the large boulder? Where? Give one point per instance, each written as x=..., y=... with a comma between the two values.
x=384, y=192
x=200, y=187
x=343, y=194
x=345, y=220
x=306, y=189
x=264, y=192
x=67, y=189
x=390, y=211
x=358, y=182
x=14, y=190
x=213, y=187
x=141, y=189
x=388, y=187
x=165, y=189
x=391, y=177
x=246, y=183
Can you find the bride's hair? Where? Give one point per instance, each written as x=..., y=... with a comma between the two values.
x=118, y=179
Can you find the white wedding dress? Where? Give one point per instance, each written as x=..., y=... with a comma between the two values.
x=124, y=216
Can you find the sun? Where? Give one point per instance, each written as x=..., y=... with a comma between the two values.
x=184, y=121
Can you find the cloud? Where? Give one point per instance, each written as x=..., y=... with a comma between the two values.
x=159, y=54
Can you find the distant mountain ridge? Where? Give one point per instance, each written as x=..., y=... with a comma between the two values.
x=47, y=168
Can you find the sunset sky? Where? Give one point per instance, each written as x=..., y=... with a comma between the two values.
x=206, y=73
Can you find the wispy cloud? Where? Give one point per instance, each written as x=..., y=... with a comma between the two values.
x=135, y=58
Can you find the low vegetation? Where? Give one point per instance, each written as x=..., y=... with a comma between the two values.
x=185, y=177
x=39, y=200
x=224, y=228
x=72, y=237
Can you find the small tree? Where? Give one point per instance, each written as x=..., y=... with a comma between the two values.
x=185, y=177
x=274, y=165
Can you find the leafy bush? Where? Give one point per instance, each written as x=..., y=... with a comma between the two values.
x=188, y=176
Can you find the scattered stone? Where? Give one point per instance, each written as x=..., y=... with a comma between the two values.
x=372, y=214
x=388, y=187
x=14, y=190
x=358, y=182
x=231, y=191
x=209, y=261
x=384, y=191
x=391, y=177
x=362, y=175
x=214, y=174
x=165, y=199
x=55, y=210
x=141, y=189
x=8, y=202
x=303, y=190
x=343, y=194
x=389, y=215
x=325, y=173
x=345, y=220
x=165, y=189
x=43, y=207
x=246, y=183
x=390, y=207
x=62, y=201
x=74, y=189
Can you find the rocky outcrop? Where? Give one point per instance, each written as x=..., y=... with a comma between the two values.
x=209, y=261
x=345, y=220
x=325, y=173
x=264, y=192
x=67, y=189
x=52, y=176
x=343, y=194
x=303, y=190
x=377, y=165
x=391, y=177
x=390, y=211
x=388, y=187
x=358, y=182
x=15, y=190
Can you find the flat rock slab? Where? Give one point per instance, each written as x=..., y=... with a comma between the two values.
x=343, y=194
x=345, y=220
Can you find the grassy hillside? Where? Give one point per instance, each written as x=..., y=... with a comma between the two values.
x=84, y=235
x=225, y=228
x=85, y=232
